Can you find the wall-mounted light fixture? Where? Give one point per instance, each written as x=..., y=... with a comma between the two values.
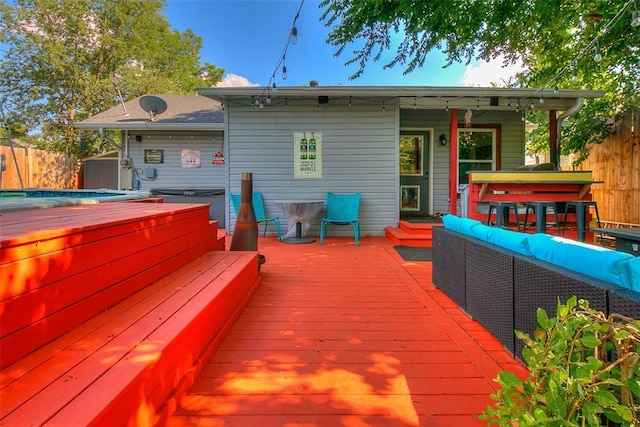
x=443, y=139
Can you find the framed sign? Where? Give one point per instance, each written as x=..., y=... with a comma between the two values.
x=307, y=154
x=154, y=156
x=190, y=158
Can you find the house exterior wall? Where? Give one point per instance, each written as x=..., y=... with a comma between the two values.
x=170, y=173
x=359, y=154
x=512, y=143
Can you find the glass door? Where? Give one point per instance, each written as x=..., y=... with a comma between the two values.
x=413, y=173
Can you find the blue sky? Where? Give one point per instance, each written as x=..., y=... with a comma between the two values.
x=247, y=37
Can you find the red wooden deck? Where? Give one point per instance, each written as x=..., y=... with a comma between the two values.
x=339, y=335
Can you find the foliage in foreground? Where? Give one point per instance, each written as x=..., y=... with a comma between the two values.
x=584, y=371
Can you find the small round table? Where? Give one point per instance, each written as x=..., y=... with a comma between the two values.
x=299, y=213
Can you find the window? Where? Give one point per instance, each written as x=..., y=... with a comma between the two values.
x=476, y=151
x=411, y=154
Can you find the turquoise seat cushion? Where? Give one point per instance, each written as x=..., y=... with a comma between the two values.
x=483, y=232
x=512, y=240
x=461, y=225
x=594, y=261
x=633, y=269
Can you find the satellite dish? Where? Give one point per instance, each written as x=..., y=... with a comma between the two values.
x=153, y=105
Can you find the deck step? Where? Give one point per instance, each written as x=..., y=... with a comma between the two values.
x=131, y=364
x=411, y=234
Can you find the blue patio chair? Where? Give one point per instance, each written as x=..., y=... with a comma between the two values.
x=342, y=209
x=258, y=209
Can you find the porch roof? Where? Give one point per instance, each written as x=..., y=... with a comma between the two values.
x=188, y=112
x=426, y=97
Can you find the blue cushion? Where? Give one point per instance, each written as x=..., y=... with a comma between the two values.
x=595, y=261
x=633, y=271
x=467, y=225
x=512, y=240
x=451, y=222
x=483, y=232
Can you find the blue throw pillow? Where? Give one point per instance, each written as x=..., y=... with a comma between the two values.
x=595, y=261
x=512, y=240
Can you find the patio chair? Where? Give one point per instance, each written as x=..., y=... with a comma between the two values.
x=258, y=209
x=342, y=209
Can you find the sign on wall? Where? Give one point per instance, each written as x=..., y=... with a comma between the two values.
x=307, y=154
x=154, y=156
x=190, y=158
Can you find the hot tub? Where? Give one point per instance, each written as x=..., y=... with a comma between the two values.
x=212, y=196
x=38, y=198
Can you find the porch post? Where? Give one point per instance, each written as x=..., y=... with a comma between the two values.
x=453, y=162
x=554, y=156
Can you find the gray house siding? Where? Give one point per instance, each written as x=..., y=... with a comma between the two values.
x=358, y=155
x=170, y=173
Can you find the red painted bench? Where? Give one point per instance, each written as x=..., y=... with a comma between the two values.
x=62, y=266
x=131, y=364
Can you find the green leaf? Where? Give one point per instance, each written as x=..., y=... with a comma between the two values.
x=543, y=319
x=605, y=397
x=556, y=404
x=634, y=386
x=590, y=341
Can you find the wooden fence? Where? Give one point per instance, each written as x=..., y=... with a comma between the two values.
x=616, y=162
x=38, y=168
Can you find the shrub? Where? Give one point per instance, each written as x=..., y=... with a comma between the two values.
x=584, y=370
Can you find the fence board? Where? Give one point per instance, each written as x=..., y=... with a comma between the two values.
x=38, y=168
x=616, y=162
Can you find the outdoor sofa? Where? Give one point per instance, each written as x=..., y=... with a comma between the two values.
x=500, y=277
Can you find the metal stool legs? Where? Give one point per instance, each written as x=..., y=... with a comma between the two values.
x=502, y=211
x=540, y=210
x=580, y=207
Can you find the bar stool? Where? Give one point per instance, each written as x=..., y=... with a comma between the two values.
x=540, y=210
x=580, y=207
x=502, y=210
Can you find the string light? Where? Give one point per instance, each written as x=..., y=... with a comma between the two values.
x=635, y=16
x=635, y=22
x=597, y=56
x=349, y=101
x=281, y=64
x=415, y=103
x=446, y=108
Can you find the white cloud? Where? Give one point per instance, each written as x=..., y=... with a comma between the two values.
x=234, y=80
x=485, y=74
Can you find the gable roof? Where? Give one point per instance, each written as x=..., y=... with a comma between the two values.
x=188, y=112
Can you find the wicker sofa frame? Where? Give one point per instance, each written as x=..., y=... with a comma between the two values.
x=502, y=289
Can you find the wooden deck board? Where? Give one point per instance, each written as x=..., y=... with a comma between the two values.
x=345, y=335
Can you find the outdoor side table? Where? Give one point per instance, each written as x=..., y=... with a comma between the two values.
x=627, y=239
x=299, y=213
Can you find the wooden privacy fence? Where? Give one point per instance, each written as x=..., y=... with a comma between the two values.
x=38, y=168
x=616, y=162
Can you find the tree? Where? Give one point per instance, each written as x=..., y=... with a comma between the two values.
x=552, y=39
x=70, y=59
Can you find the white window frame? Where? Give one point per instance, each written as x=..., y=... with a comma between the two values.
x=493, y=132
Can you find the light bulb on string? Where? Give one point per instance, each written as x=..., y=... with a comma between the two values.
x=635, y=17
x=294, y=35
x=284, y=72
x=446, y=108
x=556, y=90
x=541, y=100
x=415, y=103
x=597, y=56
x=574, y=76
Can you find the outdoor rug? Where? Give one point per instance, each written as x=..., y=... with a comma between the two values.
x=409, y=253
